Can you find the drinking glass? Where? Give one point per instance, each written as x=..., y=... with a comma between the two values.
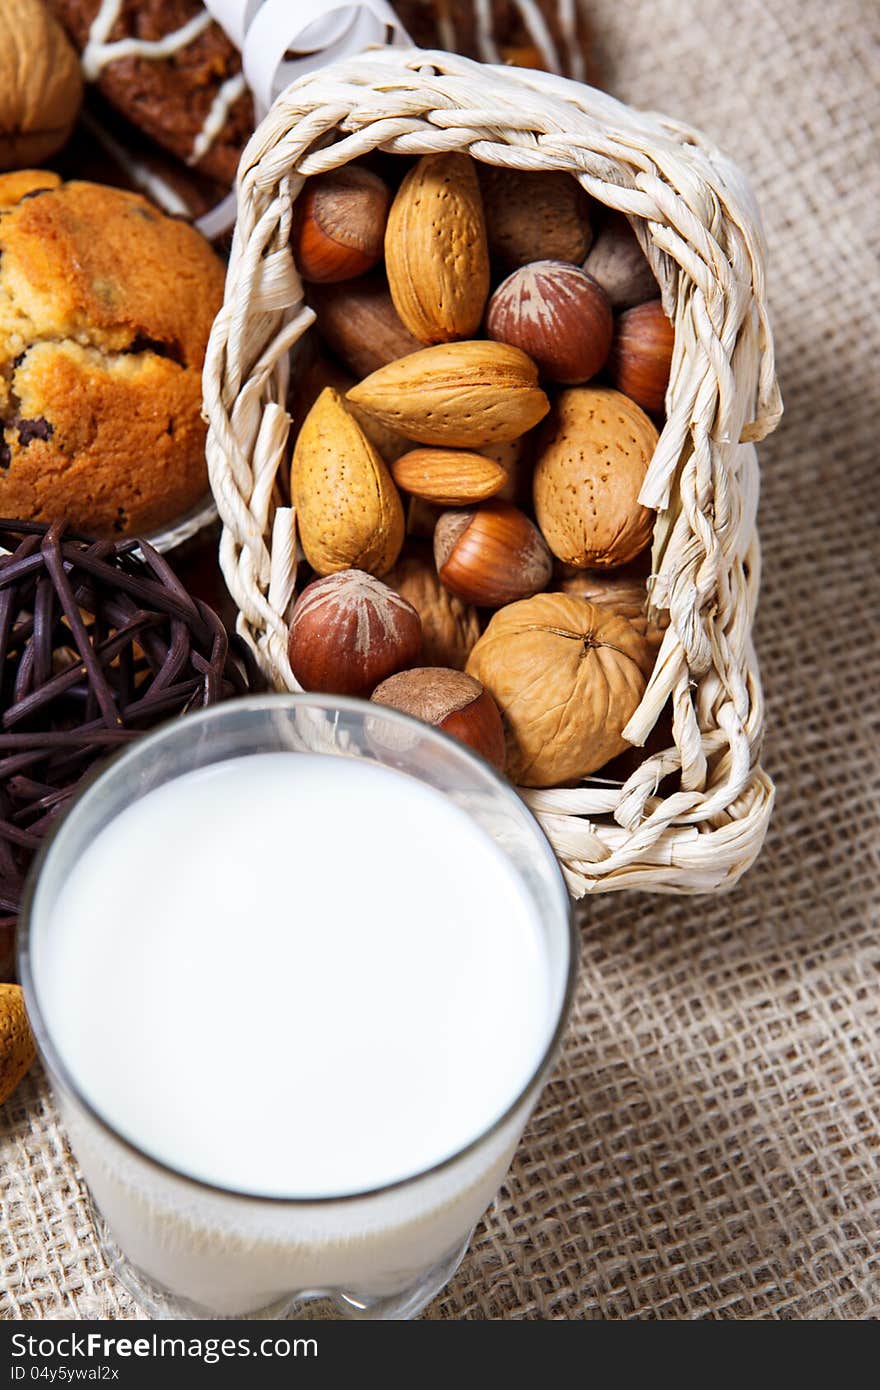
x=187, y=1249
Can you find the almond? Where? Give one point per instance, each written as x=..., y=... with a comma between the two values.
x=593, y=455
x=436, y=254
x=450, y=477
x=348, y=511
x=456, y=394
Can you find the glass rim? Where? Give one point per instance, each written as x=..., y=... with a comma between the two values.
x=291, y=701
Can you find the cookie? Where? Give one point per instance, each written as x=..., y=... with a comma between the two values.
x=105, y=310
x=167, y=67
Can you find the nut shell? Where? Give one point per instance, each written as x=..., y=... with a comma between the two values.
x=593, y=454
x=360, y=324
x=349, y=514
x=350, y=631
x=618, y=263
x=556, y=314
x=459, y=395
x=339, y=224
x=40, y=84
x=491, y=556
x=567, y=677
x=435, y=249
x=450, y=627
x=624, y=593
x=452, y=701
x=17, y=1050
x=534, y=216
x=641, y=355
x=449, y=477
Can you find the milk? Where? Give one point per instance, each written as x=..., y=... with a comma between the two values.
x=294, y=978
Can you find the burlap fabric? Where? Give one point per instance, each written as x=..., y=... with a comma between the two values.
x=709, y=1146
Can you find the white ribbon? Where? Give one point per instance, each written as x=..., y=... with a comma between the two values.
x=281, y=40
x=315, y=32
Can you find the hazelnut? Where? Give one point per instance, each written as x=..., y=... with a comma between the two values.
x=641, y=355
x=557, y=315
x=451, y=701
x=449, y=627
x=40, y=84
x=618, y=263
x=533, y=216
x=350, y=631
x=339, y=224
x=492, y=555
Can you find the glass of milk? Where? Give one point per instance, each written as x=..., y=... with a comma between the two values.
x=298, y=967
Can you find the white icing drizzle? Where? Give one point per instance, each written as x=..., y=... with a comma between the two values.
x=215, y=120
x=145, y=178
x=98, y=52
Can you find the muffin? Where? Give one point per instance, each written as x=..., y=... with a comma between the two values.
x=105, y=310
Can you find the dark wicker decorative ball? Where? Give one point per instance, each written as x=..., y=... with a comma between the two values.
x=99, y=641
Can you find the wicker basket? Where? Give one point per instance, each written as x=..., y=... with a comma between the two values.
x=696, y=221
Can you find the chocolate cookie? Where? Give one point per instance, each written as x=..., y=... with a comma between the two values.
x=170, y=70
x=105, y=310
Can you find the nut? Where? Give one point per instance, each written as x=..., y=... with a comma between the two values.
x=339, y=224
x=515, y=458
x=435, y=249
x=307, y=381
x=17, y=1050
x=625, y=593
x=450, y=477
x=350, y=631
x=618, y=263
x=491, y=556
x=451, y=701
x=348, y=511
x=449, y=627
x=567, y=677
x=641, y=355
x=360, y=324
x=534, y=217
x=593, y=454
x=557, y=315
x=40, y=84
x=460, y=395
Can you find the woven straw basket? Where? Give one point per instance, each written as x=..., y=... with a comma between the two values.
x=696, y=222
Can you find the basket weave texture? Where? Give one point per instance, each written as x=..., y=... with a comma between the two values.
x=696, y=221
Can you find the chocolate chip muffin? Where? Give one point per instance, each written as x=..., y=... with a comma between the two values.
x=176, y=76
x=105, y=310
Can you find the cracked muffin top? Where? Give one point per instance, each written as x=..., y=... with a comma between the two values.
x=105, y=310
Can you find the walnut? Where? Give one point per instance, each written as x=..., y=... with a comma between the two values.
x=624, y=592
x=567, y=676
x=40, y=84
x=450, y=627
